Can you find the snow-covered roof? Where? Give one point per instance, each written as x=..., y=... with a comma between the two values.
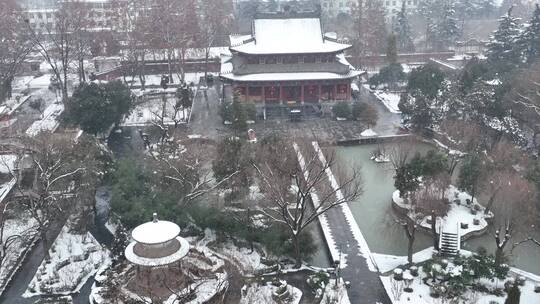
x=155, y=232
x=153, y=262
x=286, y=36
x=291, y=76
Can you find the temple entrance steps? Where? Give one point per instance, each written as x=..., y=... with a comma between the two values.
x=283, y=112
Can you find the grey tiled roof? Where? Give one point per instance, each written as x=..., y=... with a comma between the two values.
x=242, y=68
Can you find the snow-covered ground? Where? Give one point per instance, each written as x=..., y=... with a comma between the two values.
x=20, y=83
x=389, y=99
x=74, y=259
x=5, y=187
x=387, y=262
x=7, y=163
x=421, y=292
x=368, y=133
x=49, y=121
x=335, y=294
x=459, y=213
x=155, y=80
x=7, y=182
x=11, y=105
x=246, y=261
x=151, y=110
x=262, y=293
x=24, y=226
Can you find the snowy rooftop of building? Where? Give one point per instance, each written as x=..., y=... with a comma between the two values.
x=291, y=76
x=155, y=232
x=286, y=36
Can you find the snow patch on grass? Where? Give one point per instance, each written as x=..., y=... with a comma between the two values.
x=74, y=259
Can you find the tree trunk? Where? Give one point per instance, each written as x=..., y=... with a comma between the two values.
x=297, y=254
x=434, y=230
x=44, y=239
x=499, y=256
x=410, y=248
x=490, y=202
x=206, y=55
x=3, y=91
x=169, y=63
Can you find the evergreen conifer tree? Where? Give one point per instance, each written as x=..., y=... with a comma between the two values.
x=391, y=50
x=529, y=41
x=502, y=53
x=402, y=30
x=446, y=30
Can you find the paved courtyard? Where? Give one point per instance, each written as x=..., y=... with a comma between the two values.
x=207, y=122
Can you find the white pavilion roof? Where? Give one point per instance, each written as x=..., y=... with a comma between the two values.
x=155, y=232
x=286, y=36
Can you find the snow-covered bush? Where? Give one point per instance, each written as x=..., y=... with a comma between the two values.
x=318, y=280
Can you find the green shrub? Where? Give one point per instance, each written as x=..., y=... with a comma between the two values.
x=226, y=111
x=251, y=111
x=342, y=110
x=357, y=109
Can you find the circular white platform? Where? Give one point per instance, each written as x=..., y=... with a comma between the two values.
x=153, y=262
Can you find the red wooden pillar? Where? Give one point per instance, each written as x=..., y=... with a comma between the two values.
x=280, y=93
x=302, y=93
x=263, y=94
x=334, y=92
x=320, y=92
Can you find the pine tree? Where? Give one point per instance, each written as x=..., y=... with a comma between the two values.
x=391, y=50
x=529, y=41
x=501, y=49
x=446, y=30
x=402, y=30
x=487, y=8
x=375, y=26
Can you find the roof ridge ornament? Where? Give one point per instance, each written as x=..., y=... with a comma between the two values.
x=155, y=218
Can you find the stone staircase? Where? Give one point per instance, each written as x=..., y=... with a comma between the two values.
x=449, y=241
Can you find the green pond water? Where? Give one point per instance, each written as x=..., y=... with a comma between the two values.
x=375, y=217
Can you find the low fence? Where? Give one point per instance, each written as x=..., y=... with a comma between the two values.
x=371, y=139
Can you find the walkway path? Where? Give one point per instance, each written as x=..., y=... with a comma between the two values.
x=388, y=122
x=358, y=267
x=205, y=119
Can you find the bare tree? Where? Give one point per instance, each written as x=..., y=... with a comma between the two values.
x=401, y=151
x=8, y=241
x=431, y=201
x=524, y=99
x=56, y=181
x=216, y=18
x=514, y=213
x=296, y=183
x=14, y=45
x=410, y=224
x=58, y=42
